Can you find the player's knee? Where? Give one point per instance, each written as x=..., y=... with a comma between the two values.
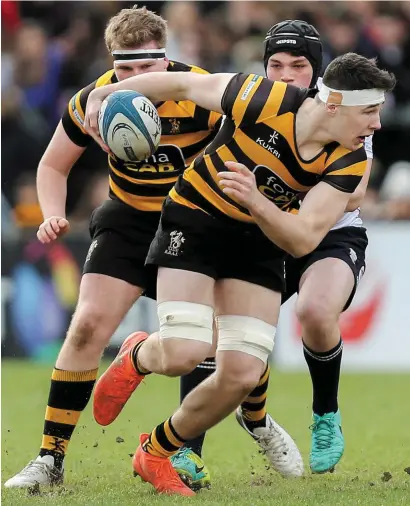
x=84, y=329
x=237, y=380
x=250, y=337
x=186, y=335
x=315, y=314
x=178, y=364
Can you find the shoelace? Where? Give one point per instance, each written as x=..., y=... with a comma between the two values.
x=36, y=465
x=181, y=454
x=166, y=473
x=323, y=432
x=274, y=443
x=58, y=444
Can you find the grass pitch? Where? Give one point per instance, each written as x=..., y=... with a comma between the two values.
x=375, y=412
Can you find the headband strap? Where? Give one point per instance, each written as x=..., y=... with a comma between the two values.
x=350, y=97
x=127, y=55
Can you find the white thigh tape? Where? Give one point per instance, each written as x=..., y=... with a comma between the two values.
x=246, y=334
x=185, y=320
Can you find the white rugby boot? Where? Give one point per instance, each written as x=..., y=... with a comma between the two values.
x=277, y=445
x=41, y=471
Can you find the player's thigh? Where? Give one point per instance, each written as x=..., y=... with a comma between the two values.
x=324, y=289
x=247, y=301
x=332, y=273
x=102, y=304
x=246, y=319
x=251, y=280
x=242, y=298
x=183, y=285
x=294, y=268
x=182, y=253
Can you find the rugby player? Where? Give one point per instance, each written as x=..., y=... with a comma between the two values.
x=122, y=228
x=326, y=280
x=223, y=238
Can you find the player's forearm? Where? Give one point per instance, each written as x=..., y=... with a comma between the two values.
x=290, y=232
x=156, y=86
x=52, y=191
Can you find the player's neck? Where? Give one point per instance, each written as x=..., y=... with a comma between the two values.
x=311, y=131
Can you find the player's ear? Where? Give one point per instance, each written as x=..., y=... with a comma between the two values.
x=166, y=63
x=331, y=109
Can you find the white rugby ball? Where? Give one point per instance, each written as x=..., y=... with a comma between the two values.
x=130, y=125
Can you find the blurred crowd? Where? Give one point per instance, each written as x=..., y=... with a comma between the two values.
x=51, y=49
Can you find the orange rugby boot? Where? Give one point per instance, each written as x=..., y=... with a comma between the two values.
x=119, y=381
x=159, y=472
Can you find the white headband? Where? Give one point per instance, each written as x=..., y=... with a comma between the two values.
x=350, y=97
x=132, y=55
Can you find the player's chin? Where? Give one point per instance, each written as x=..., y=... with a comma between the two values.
x=353, y=144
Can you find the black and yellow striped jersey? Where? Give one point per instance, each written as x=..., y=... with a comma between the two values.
x=259, y=131
x=186, y=130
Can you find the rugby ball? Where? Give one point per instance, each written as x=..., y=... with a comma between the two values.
x=130, y=126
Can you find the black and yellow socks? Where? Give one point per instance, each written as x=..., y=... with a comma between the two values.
x=69, y=395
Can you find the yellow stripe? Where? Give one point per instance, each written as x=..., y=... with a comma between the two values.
x=48, y=443
x=240, y=106
x=337, y=153
x=170, y=436
x=172, y=110
x=188, y=106
x=260, y=155
x=105, y=78
x=198, y=70
x=66, y=416
x=256, y=400
x=153, y=204
x=255, y=415
x=274, y=101
x=78, y=105
x=157, y=447
x=74, y=375
x=74, y=119
x=182, y=201
x=185, y=140
x=224, y=154
x=357, y=169
x=214, y=117
x=265, y=377
x=142, y=181
x=208, y=193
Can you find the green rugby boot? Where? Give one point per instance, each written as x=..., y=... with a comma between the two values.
x=327, y=442
x=191, y=469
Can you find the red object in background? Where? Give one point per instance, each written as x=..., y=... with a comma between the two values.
x=10, y=15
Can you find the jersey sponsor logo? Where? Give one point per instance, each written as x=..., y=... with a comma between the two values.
x=248, y=89
x=273, y=187
x=167, y=158
x=270, y=143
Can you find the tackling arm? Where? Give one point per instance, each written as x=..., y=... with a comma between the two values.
x=299, y=234
x=205, y=90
